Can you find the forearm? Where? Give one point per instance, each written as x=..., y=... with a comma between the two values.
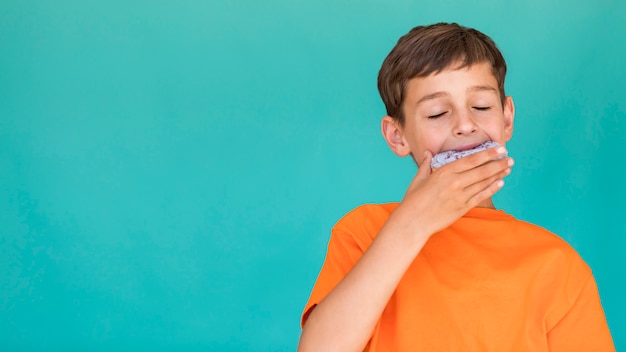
x=345, y=319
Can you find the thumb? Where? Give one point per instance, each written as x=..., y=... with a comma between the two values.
x=424, y=167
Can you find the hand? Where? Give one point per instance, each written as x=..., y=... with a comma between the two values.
x=435, y=199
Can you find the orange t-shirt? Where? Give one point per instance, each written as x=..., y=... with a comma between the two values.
x=488, y=282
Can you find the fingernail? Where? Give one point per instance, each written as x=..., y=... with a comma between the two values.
x=501, y=150
x=511, y=162
x=500, y=184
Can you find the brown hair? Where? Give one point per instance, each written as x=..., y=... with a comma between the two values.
x=431, y=49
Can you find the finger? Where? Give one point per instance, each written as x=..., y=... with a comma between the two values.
x=477, y=187
x=475, y=180
x=424, y=168
x=474, y=160
x=486, y=193
x=486, y=171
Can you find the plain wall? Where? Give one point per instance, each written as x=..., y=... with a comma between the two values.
x=170, y=171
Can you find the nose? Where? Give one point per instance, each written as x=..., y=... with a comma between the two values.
x=465, y=124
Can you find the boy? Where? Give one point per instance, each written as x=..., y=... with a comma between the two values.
x=443, y=270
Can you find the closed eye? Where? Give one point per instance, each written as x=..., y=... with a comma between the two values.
x=482, y=108
x=436, y=116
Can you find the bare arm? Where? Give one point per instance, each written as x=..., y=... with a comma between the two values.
x=345, y=319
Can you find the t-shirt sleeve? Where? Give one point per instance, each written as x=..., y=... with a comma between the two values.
x=342, y=254
x=584, y=327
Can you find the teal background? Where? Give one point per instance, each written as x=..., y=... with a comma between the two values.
x=170, y=170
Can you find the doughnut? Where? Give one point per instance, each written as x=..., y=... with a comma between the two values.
x=449, y=156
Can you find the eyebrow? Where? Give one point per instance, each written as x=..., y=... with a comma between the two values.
x=482, y=88
x=431, y=96
x=435, y=95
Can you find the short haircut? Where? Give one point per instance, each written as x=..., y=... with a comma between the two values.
x=431, y=49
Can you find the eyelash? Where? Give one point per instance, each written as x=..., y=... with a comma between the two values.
x=436, y=116
x=479, y=108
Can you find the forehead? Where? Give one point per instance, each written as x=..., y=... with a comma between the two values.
x=454, y=80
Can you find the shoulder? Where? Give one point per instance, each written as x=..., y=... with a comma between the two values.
x=556, y=253
x=364, y=221
x=366, y=215
x=541, y=236
x=531, y=247
x=559, y=274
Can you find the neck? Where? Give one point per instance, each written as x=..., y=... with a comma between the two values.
x=487, y=203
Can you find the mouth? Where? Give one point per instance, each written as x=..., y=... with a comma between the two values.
x=467, y=147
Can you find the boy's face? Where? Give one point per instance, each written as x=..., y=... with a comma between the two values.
x=455, y=109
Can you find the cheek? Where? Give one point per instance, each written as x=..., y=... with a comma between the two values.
x=430, y=144
x=494, y=129
x=428, y=138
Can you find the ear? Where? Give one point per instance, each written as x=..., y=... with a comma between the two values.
x=509, y=116
x=392, y=132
